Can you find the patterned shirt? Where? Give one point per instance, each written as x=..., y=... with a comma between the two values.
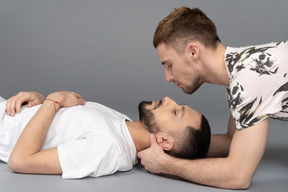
x=258, y=86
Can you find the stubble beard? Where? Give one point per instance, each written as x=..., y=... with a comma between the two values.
x=147, y=117
x=192, y=88
x=196, y=81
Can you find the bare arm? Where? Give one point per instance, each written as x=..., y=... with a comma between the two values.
x=26, y=156
x=233, y=172
x=220, y=143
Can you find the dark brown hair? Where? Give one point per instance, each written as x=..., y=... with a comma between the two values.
x=194, y=143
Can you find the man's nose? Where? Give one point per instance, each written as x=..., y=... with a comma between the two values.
x=168, y=101
x=168, y=76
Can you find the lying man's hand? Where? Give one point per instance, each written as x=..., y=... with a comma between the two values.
x=152, y=158
x=66, y=98
x=31, y=98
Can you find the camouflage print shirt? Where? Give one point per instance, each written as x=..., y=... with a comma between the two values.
x=258, y=83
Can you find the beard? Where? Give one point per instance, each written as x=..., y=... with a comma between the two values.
x=196, y=82
x=147, y=117
x=192, y=88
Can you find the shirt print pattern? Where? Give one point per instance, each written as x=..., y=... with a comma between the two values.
x=261, y=62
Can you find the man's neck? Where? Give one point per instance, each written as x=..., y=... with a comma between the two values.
x=139, y=134
x=214, y=66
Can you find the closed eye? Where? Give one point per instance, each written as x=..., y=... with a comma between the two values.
x=183, y=110
x=175, y=112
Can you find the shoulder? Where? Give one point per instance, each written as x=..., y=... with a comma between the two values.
x=238, y=58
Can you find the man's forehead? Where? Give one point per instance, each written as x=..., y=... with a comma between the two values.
x=194, y=117
x=167, y=52
x=164, y=54
x=164, y=47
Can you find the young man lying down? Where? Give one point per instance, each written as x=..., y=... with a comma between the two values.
x=63, y=134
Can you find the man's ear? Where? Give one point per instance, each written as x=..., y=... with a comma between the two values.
x=165, y=140
x=193, y=50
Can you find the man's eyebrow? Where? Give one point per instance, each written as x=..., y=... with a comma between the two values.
x=183, y=111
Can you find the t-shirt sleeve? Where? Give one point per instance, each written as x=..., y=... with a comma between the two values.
x=93, y=155
x=248, y=109
x=258, y=82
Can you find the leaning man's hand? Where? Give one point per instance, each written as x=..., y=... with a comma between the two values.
x=152, y=157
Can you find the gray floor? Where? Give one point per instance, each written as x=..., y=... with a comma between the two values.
x=272, y=175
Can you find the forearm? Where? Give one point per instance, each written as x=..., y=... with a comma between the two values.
x=215, y=172
x=27, y=156
x=33, y=135
x=234, y=171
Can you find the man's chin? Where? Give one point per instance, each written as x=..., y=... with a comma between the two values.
x=188, y=91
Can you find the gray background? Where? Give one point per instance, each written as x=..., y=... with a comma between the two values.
x=102, y=49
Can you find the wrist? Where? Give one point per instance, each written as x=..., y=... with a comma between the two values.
x=168, y=164
x=57, y=104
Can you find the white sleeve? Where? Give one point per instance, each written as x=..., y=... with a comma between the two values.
x=92, y=155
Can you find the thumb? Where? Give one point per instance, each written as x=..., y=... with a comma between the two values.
x=153, y=139
x=31, y=104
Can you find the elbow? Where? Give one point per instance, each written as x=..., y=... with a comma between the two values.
x=16, y=164
x=240, y=181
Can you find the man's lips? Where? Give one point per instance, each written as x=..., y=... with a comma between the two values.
x=178, y=84
x=156, y=104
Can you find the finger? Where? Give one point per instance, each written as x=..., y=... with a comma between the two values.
x=31, y=104
x=22, y=99
x=18, y=103
x=153, y=139
x=80, y=99
x=9, y=107
x=78, y=96
x=11, y=102
x=143, y=163
x=139, y=154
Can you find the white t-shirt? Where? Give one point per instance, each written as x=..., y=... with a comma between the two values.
x=258, y=83
x=92, y=140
